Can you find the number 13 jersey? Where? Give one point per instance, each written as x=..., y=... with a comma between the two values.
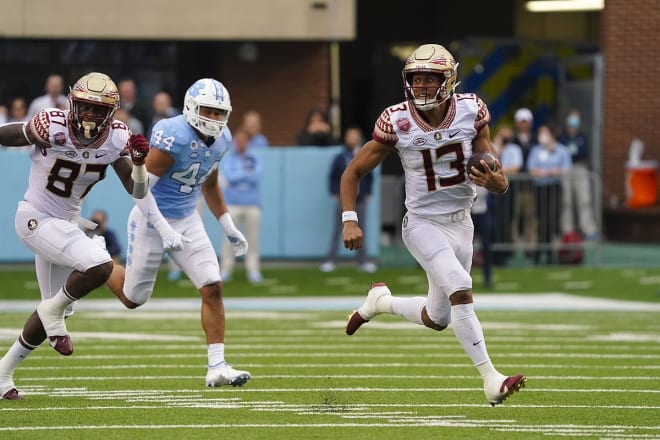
x=434, y=159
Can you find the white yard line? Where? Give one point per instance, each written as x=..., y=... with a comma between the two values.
x=309, y=376
x=503, y=301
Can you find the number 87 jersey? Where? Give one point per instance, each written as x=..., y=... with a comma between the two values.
x=434, y=159
x=63, y=170
x=177, y=190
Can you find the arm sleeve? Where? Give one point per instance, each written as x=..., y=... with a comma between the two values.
x=149, y=208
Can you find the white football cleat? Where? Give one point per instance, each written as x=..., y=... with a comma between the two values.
x=498, y=388
x=378, y=301
x=224, y=374
x=52, y=318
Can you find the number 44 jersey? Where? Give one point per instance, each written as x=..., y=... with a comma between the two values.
x=178, y=189
x=434, y=158
x=63, y=170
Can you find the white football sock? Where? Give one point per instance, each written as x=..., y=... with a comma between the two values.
x=62, y=299
x=467, y=329
x=216, y=354
x=14, y=356
x=409, y=309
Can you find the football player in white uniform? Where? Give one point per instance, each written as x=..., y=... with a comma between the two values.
x=182, y=164
x=434, y=132
x=71, y=152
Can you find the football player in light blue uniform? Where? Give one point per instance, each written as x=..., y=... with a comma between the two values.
x=185, y=153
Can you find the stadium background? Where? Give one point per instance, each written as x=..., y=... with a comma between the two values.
x=346, y=55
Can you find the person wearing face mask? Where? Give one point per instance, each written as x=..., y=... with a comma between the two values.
x=548, y=163
x=577, y=193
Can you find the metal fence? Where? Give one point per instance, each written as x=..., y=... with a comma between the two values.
x=547, y=221
x=536, y=222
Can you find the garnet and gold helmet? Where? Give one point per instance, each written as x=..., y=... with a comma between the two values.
x=433, y=59
x=93, y=100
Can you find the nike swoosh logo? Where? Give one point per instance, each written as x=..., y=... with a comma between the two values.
x=476, y=343
x=451, y=135
x=99, y=155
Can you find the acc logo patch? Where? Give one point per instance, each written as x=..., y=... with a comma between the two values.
x=405, y=221
x=419, y=141
x=404, y=125
x=60, y=138
x=193, y=145
x=32, y=224
x=71, y=154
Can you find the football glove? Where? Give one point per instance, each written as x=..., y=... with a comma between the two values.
x=138, y=146
x=235, y=237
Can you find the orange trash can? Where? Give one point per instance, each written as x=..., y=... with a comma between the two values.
x=641, y=184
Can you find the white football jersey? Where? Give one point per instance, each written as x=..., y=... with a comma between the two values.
x=63, y=171
x=435, y=159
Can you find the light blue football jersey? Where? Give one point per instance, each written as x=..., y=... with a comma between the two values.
x=177, y=190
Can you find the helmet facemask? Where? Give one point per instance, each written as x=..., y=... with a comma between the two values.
x=93, y=101
x=211, y=94
x=90, y=123
x=435, y=60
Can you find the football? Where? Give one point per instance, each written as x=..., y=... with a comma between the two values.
x=476, y=158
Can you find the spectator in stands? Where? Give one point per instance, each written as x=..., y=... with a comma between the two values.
x=577, y=191
x=352, y=142
x=501, y=208
x=317, y=130
x=52, y=99
x=482, y=217
x=251, y=124
x=3, y=114
x=18, y=110
x=133, y=123
x=161, y=105
x=524, y=220
x=130, y=102
x=241, y=170
x=548, y=163
x=100, y=217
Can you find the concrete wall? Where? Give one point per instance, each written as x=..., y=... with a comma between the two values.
x=298, y=212
x=173, y=19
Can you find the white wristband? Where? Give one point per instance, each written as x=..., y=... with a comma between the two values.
x=349, y=216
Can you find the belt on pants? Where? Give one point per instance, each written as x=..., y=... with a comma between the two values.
x=452, y=217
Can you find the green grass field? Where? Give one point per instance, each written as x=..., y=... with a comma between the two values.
x=633, y=284
x=140, y=374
